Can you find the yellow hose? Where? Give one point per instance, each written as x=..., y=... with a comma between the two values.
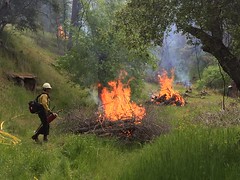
x=6, y=138
x=2, y=125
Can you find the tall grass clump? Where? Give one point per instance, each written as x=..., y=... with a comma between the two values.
x=196, y=153
x=24, y=161
x=70, y=157
x=90, y=157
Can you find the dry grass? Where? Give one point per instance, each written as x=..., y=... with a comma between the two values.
x=224, y=118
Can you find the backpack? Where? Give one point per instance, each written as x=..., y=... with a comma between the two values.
x=34, y=106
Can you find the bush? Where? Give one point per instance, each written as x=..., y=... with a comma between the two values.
x=212, y=78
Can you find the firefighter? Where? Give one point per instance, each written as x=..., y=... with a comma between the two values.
x=44, y=112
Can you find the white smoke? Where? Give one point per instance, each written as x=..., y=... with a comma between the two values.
x=171, y=57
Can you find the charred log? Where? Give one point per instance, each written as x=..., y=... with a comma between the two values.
x=162, y=100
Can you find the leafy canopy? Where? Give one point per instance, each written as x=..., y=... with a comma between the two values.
x=151, y=19
x=214, y=23
x=211, y=78
x=99, y=50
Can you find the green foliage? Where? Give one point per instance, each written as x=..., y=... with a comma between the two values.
x=150, y=19
x=80, y=63
x=211, y=78
x=211, y=22
x=99, y=52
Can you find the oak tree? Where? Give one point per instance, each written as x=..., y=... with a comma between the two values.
x=215, y=23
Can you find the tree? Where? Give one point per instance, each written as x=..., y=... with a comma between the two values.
x=215, y=23
x=65, y=14
x=99, y=51
x=48, y=15
x=21, y=14
x=75, y=20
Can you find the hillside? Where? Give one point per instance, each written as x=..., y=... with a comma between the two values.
x=23, y=55
x=202, y=141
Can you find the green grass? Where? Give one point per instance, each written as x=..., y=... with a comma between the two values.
x=194, y=153
x=191, y=150
x=69, y=157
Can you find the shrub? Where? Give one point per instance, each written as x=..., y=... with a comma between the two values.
x=212, y=78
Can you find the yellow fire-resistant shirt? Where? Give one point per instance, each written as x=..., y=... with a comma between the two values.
x=44, y=100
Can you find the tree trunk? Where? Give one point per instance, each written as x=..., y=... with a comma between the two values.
x=229, y=62
x=76, y=7
x=65, y=11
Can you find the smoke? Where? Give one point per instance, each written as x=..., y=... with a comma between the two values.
x=93, y=92
x=172, y=55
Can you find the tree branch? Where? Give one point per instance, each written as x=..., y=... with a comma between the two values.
x=210, y=44
x=216, y=47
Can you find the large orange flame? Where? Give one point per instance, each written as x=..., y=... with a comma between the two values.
x=116, y=102
x=167, y=93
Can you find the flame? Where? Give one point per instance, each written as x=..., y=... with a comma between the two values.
x=61, y=33
x=116, y=102
x=167, y=92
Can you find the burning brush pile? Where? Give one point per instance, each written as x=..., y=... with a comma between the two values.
x=117, y=116
x=167, y=95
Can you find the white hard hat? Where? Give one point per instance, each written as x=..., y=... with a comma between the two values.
x=46, y=86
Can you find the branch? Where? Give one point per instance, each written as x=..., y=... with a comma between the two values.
x=211, y=44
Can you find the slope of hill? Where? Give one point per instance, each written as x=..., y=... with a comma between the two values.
x=22, y=54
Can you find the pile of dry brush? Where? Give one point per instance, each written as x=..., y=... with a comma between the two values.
x=162, y=100
x=80, y=122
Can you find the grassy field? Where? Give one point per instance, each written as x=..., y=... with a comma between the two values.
x=203, y=141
